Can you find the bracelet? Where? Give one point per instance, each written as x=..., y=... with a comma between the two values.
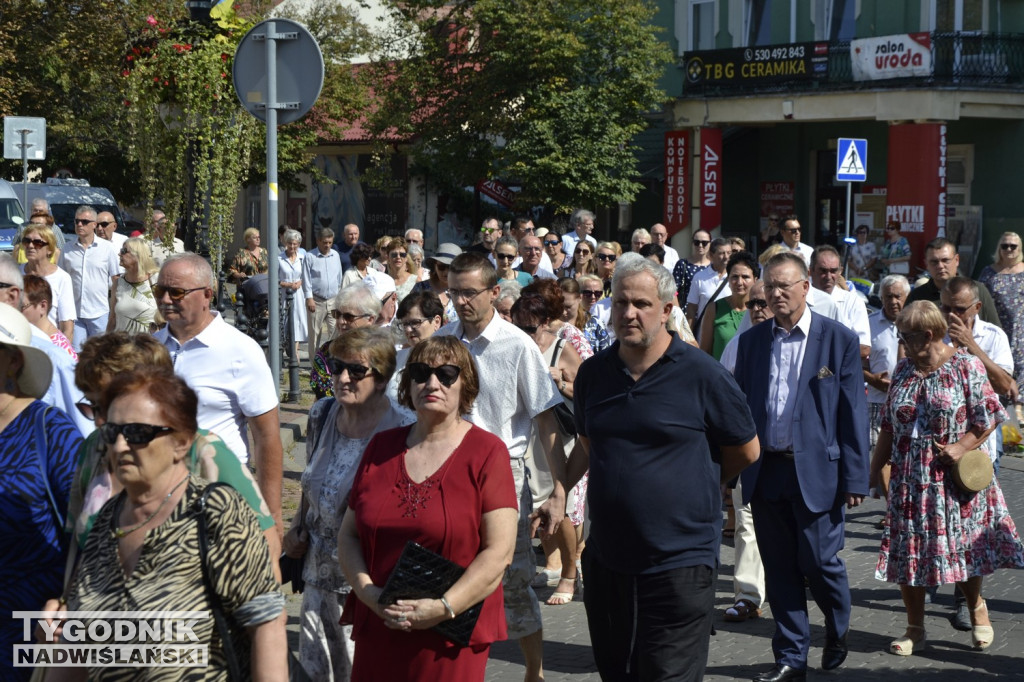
x=448, y=607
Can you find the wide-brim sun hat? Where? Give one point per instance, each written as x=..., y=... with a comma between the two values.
x=37, y=370
x=445, y=253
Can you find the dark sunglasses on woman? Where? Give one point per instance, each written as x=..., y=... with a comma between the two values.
x=134, y=434
x=420, y=372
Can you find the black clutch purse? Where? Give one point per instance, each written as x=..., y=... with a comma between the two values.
x=291, y=572
x=422, y=574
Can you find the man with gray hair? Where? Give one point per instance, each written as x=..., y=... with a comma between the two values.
x=225, y=368
x=651, y=577
x=884, y=349
x=321, y=280
x=94, y=269
x=414, y=236
x=581, y=224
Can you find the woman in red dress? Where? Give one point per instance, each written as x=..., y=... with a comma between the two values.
x=446, y=485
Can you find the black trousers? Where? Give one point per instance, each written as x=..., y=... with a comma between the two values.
x=649, y=628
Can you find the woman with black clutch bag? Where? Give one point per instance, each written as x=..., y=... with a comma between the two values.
x=446, y=485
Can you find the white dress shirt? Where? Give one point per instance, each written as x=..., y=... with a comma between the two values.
x=884, y=347
x=671, y=257
x=783, y=381
x=571, y=239
x=853, y=313
x=92, y=269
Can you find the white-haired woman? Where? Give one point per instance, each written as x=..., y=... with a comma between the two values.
x=290, y=270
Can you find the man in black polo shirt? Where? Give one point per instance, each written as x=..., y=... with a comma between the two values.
x=661, y=425
x=942, y=261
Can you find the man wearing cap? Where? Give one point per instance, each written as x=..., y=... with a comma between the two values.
x=61, y=392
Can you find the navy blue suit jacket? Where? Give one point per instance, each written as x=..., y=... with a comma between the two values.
x=830, y=419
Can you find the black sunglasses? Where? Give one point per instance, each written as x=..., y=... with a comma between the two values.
x=39, y=243
x=552, y=243
x=606, y=257
x=87, y=408
x=134, y=434
x=758, y=303
x=355, y=372
x=701, y=242
x=105, y=223
x=81, y=221
x=420, y=372
x=176, y=293
x=1004, y=247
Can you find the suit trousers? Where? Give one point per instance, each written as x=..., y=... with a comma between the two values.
x=748, y=571
x=797, y=543
x=316, y=323
x=649, y=628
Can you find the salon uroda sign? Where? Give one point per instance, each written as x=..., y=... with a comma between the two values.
x=897, y=56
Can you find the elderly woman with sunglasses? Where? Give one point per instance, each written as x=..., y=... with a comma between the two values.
x=361, y=363
x=135, y=309
x=1005, y=281
x=939, y=406
x=355, y=306
x=37, y=452
x=141, y=553
x=446, y=485
x=38, y=244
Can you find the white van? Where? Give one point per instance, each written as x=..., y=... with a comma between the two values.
x=11, y=216
x=66, y=195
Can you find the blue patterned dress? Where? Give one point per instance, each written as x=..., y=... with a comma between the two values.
x=1008, y=294
x=32, y=543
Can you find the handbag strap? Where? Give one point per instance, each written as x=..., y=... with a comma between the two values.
x=42, y=448
x=317, y=435
x=219, y=618
x=707, y=305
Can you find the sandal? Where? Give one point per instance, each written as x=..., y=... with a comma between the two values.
x=742, y=610
x=982, y=635
x=905, y=645
x=547, y=577
x=563, y=598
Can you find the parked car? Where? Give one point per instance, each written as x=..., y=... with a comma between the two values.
x=65, y=195
x=11, y=216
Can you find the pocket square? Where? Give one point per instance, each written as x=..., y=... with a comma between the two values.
x=824, y=373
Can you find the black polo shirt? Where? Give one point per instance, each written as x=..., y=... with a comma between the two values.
x=654, y=494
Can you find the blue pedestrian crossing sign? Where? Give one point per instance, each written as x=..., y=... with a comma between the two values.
x=852, y=160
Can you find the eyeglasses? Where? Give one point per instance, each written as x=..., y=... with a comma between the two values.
x=583, y=252
x=958, y=309
x=606, y=257
x=105, y=224
x=355, y=372
x=505, y=256
x=465, y=294
x=420, y=372
x=770, y=288
x=912, y=338
x=398, y=254
x=134, y=434
x=39, y=243
x=1004, y=247
x=488, y=230
x=349, y=318
x=791, y=230
x=587, y=292
x=176, y=293
x=412, y=323
x=530, y=329
x=80, y=221
x=892, y=229
x=87, y=408
x=6, y=285
x=758, y=303
x=555, y=242
x=701, y=242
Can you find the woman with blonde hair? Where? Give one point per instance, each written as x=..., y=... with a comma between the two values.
x=606, y=255
x=135, y=309
x=39, y=244
x=400, y=267
x=250, y=260
x=1005, y=281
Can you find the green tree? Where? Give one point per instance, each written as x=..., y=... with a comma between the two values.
x=546, y=93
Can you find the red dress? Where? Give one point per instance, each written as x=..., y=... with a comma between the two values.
x=444, y=514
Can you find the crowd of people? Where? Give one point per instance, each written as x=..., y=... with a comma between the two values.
x=472, y=400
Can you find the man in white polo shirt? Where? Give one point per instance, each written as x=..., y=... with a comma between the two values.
x=825, y=270
x=226, y=368
x=581, y=224
x=93, y=266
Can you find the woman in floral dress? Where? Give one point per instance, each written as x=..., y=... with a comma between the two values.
x=940, y=405
x=1005, y=281
x=895, y=255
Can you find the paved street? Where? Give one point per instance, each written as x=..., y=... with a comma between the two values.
x=739, y=650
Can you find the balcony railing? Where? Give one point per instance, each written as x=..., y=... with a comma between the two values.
x=959, y=60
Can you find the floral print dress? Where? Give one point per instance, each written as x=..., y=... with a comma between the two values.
x=1008, y=294
x=936, y=534
x=897, y=249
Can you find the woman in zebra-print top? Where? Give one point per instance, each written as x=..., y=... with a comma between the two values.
x=142, y=553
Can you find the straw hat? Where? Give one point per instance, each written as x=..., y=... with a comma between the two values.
x=15, y=330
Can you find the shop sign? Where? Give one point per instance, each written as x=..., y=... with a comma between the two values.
x=899, y=56
x=751, y=66
x=498, y=191
x=677, y=172
x=916, y=196
x=710, y=178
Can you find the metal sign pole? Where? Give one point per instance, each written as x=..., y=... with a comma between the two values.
x=275, y=287
x=24, y=170
x=849, y=209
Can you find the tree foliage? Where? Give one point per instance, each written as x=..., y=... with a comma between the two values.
x=548, y=94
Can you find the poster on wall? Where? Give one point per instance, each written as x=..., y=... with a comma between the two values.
x=710, y=178
x=677, y=176
x=777, y=198
x=916, y=196
x=377, y=211
x=752, y=66
x=900, y=56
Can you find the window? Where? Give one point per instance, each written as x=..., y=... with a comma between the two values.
x=834, y=19
x=757, y=22
x=959, y=15
x=702, y=25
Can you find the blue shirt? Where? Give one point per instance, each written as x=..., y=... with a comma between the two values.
x=321, y=274
x=654, y=488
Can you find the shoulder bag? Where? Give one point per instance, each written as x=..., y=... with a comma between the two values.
x=563, y=413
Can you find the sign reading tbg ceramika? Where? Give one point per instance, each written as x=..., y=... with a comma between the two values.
x=899, y=56
x=757, y=65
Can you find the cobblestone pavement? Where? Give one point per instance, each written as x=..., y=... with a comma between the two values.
x=740, y=650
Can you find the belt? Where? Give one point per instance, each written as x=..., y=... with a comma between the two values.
x=779, y=454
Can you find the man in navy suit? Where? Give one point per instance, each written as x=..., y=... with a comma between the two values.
x=801, y=373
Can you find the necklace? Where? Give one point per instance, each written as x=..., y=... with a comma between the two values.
x=121, y=532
